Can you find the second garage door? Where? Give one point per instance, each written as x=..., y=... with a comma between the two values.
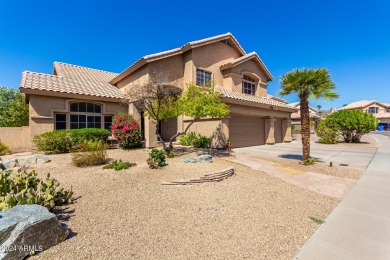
x=246, y=131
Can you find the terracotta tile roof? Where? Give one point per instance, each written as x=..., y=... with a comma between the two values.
x=91, y=84
x=160, y=55
x=362, y=104
x=82, y=74
x=249, y=56
x=250, y=98
x=277, y=99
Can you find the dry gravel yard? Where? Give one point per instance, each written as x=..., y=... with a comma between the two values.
x=129, y=214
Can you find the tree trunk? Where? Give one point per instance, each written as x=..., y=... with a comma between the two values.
x=159, y=137
x=179, y=134
x=305, y=126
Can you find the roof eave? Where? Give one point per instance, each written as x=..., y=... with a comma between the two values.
x=39, y=92
x=255, y=104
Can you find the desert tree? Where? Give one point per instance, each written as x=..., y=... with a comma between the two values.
x=161, y=99
x=156, y=96
x=307, y=83
x=199, y=102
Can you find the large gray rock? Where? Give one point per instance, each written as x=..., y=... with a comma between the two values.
x=28, y=228
x=24, y=161
x=204, y=158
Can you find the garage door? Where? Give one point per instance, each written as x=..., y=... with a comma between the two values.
x=246, y=131
x=278, y=131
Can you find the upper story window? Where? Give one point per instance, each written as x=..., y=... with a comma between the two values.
x=202, y=77
x=248, y=85
x=373, y=110
x=388, y=110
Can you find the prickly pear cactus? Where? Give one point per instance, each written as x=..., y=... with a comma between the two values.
x=21, y=187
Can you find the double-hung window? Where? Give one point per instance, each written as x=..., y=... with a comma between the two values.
x=248, y=86
x=202, y=77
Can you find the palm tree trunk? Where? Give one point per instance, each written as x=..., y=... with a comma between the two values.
x=305, y=126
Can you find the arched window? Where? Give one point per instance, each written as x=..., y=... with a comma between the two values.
x=85, y=115
x=248, y=85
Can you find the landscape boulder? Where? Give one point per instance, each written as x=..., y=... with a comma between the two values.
x=24, y=161
x=25, y=229
x=204, y=158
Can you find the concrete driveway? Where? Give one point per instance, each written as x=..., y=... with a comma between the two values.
x=351, y=155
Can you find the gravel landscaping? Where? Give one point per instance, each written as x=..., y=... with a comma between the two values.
x=129, y=214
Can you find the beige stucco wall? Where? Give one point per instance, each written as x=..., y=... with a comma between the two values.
x=216, y=129
x=171, y=67
x=255, y=111
x=210, y=57
x=43, y=108
x=16, y=138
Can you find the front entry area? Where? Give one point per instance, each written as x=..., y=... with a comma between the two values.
x=246, y=131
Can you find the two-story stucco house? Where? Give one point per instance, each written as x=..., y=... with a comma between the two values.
x=79, y=97
x=379, y=109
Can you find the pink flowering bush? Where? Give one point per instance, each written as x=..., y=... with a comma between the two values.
x=127, y=130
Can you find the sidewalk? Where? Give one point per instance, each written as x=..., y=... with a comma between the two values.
x=359, y=227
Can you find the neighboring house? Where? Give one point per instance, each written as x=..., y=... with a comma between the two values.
x=77, y=97
x=379, y=109
x=325, y=113
x=315, y=118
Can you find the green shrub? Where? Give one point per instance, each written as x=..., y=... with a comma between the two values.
x=118, y=165
x=352, y=124
x=170, y=154
x=309, y=161
x=156, y=159
x=201, y=142
x=187, y=139
x=195, y=140
x=63, y=141
x=90, y=153
x=4, y=149
x=22, y=187
x=327, y=134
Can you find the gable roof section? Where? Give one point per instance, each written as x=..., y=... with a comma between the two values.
x=165, y=54
x=71, y=79
x=363, y=103
x=82, y=74
x=253, y=99
x=245, y=58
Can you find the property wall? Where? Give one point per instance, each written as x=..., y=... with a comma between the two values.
x=16, y=138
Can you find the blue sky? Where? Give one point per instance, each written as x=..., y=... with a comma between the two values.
x=350, y=38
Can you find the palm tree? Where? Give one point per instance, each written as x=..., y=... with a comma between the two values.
x=307, y=83
x=319, y=107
